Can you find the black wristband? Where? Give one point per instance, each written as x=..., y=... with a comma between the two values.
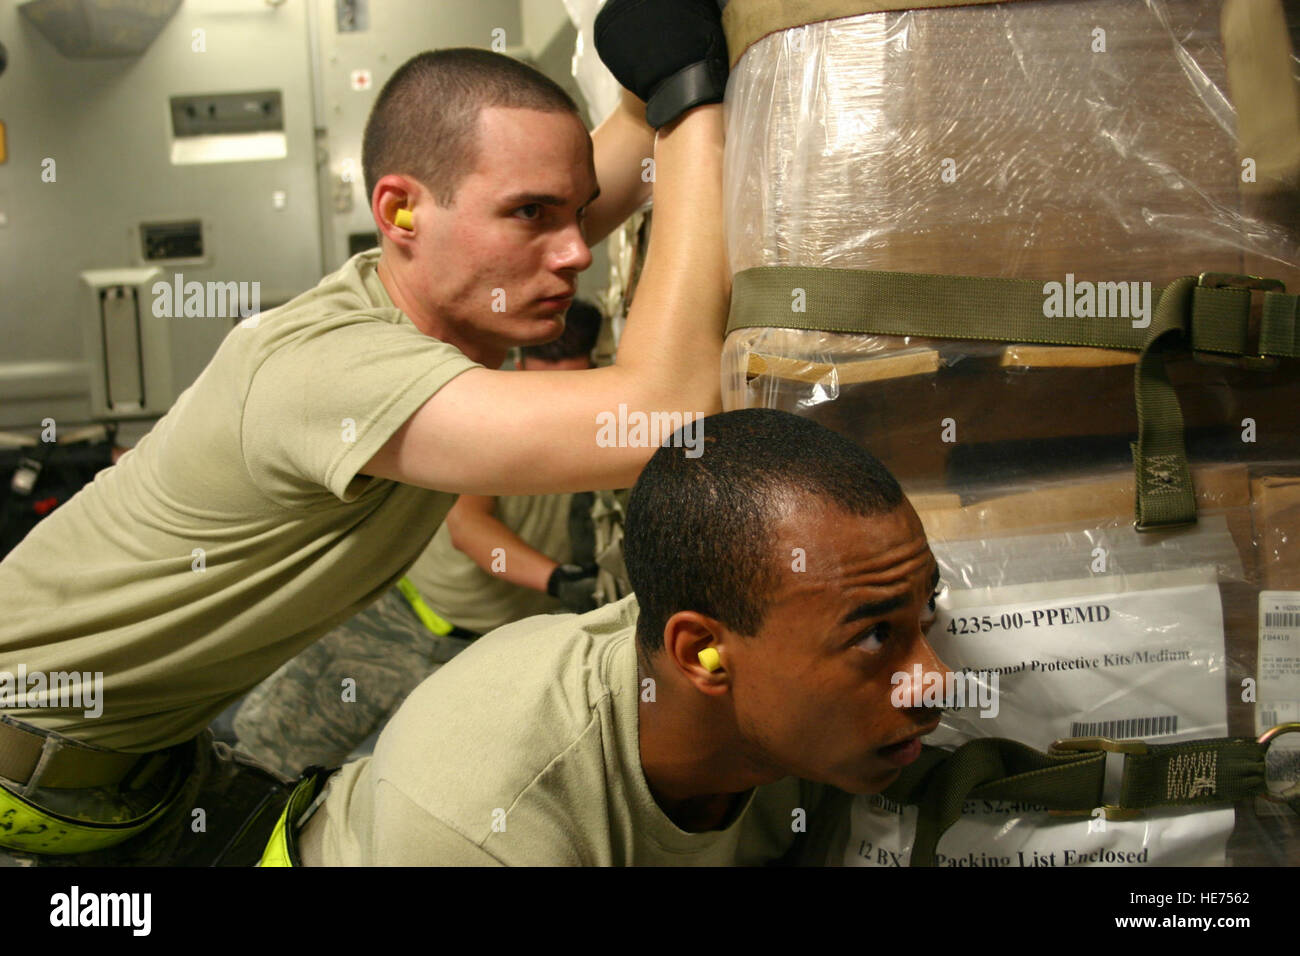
x=691, y=86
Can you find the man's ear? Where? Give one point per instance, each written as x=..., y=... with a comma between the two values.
x=394, y=207
x=697, y=646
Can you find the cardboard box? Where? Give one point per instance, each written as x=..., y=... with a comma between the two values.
x=1277, y=527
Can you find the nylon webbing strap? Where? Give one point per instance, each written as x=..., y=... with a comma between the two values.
x=1258, y=55
x=1222, y=320
x=69, y=767
x=995, y=768
x=1277, y=325
x=1163, y=480
x=745, y=22
x=983, y=308
x=1211, y=315
x=910, y=303
x=1193, y=773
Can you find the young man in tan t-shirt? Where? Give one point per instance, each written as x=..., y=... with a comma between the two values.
x=294, y=481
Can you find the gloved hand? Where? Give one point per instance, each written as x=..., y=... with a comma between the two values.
x=671, y=53
x=574, y=585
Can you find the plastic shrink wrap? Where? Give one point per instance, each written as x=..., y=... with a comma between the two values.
x=1098, y=139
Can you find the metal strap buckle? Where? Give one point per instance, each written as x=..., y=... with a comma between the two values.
x=1109, y=745
x=1286, y=796
x=1231, y=280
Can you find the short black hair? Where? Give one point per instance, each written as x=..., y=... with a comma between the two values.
x=699, y=534
x=581, y=329
x=424, y=122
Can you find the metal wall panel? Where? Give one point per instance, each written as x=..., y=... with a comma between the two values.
x=107, y=126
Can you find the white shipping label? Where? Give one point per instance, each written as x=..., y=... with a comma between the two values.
x=1137, y=655
x=1278, y=694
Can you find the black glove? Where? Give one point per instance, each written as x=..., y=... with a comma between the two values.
x=671, y=53
x=574, y=586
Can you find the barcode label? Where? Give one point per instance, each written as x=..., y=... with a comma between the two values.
x=1277, y=696
x=1126, y=727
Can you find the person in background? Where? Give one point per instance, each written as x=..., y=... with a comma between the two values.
x=493, y=561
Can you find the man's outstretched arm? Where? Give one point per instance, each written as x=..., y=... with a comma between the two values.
x=493, y=432
x=621, y=146
x=490, y=432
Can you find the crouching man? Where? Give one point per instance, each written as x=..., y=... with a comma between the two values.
x=781, y=578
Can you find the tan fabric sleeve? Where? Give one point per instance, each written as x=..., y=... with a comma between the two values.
x=322, y=406
x=404, y=834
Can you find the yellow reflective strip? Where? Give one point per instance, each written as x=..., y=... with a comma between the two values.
x=28, y=828
x=277, y=848
x=425, y=613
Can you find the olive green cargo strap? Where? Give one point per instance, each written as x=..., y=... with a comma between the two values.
x=1258, y=55
x=745, y=22
x=1215, y=317
x=1210, y=313
x=1069, y=778
x=1162, y=478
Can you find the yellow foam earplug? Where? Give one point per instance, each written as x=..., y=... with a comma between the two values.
x=709, y=659
x=403, y=219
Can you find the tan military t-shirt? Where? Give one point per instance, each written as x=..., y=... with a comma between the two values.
x=524, y=750
x=238, y=530
x=466, y=595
